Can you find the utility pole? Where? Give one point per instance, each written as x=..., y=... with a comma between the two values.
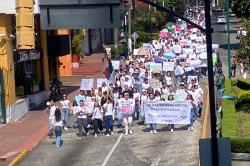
x=228, y=41
x=129, y=26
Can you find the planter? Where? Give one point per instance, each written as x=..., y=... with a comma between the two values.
x=75, y=58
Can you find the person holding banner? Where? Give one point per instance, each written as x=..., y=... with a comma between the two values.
x=108, y=116
x=171, y=98
x=152, y=126
x=192, y=116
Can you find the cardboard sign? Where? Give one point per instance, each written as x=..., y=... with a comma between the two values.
x=87, y=84
x=178, y=71
x=168, y=66
x=155, y=84
x=126, y=106
x=116, y=64
x=100, y=81
x=155, y=67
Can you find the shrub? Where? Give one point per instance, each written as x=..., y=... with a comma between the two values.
x=240, y=145
x=244, y=84
x=234, y=82
x=243, y=96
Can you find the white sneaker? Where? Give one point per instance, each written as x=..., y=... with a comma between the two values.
x=88, y=126
x=155, y=132
x=65, y=128
x=172, y=130
x=192, y=128
x=189, y=128
x=57, y=146
x=95, y=135
x=112, y=133
x=107, y=135
x=87, y=133
x=151, y=131
x=126, y=133
x=130, y=131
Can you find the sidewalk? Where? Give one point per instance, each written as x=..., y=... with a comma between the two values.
x=31, y=129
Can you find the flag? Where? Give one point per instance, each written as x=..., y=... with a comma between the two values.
x=109, y=69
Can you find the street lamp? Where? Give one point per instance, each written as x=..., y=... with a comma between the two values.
x=228, y=41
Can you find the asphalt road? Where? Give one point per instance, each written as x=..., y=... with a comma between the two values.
x=220, y=37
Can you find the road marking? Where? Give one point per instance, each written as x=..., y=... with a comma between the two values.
x=112, y=150
x=156, y=161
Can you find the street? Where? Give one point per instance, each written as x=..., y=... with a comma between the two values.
x=220, y=37
x=140, y=148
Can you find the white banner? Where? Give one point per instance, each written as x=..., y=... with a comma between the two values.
x=167, y=112
x=155, y=67
x=100, y=81
x=87, y=84
x=116, y=64
x=168, y=66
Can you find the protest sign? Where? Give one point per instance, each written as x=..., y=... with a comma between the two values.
x=100, y=81
x=143, y=52
x=180, y=95
x=79, y=98
x=178, y=71
x=167, y=112
x=155, y=67
x=155, y=84
x=87, y=84
x=168, y=66
x=168, y=55
x=126, y=106
x=115, y=64
x=188, y=51
x=158, y=46
x=146, y=46
x=194, y=63
x=200, y=49
x=177, y=49
x=136, y=51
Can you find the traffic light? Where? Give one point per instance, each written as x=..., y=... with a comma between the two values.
x=25, y=24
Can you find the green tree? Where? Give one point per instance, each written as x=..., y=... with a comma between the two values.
x=241, y=8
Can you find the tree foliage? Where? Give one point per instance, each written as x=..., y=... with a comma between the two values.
x=241, y=8
x=244, y=51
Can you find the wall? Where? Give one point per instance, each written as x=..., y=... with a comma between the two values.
x=65, y=68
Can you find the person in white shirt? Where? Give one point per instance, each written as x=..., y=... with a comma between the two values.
x=82, y=118
x=97, y=118
x=128, y=117
x=74, y=110
x=145, y=84
x=108, y=117
x=51, y=120
x=58, y=125
x=197, y=98
x=65, y=103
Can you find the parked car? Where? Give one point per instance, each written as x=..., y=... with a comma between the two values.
x=221, y=20
x=217, y=9
x=241, y=33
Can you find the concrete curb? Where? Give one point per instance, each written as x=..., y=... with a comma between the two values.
x=19, y=158
x=240, y=156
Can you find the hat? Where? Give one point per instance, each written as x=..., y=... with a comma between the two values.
x=144, y=90
x=126, y=94
x=182, y=83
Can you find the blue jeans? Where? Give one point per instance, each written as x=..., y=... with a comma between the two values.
x=152, y=126
x=65, y=115
x=108, y=122
x=192, y=117
x=58, y=135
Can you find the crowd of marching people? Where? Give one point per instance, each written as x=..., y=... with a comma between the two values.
x=137, y=79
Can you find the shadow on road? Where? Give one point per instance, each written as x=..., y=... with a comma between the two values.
x=232, y=46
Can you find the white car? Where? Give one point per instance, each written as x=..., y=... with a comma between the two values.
x=221, y=20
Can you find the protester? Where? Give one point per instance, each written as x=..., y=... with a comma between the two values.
x=65, y=104
x=97, y=118
x=82, y=119
x=108, y=116
x=127, y=118
x=152, y=126
x=52, y=109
